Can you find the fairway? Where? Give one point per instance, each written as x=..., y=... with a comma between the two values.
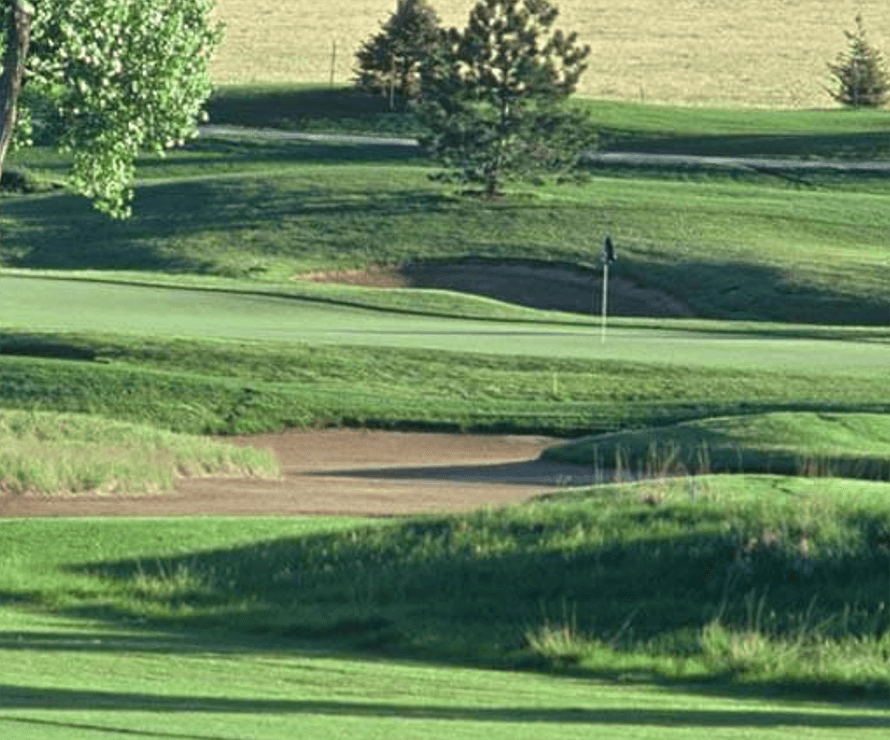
x=40, y=304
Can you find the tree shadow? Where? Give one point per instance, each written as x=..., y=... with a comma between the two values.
x=471, y=588
x=866, y=145
x=36, y=698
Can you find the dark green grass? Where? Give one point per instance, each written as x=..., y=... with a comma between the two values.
x=850, y=445
x=831, y=134
x=666, y=581
x=230, y=386
x=728, y=249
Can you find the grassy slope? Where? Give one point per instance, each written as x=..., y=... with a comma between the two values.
x=49, y=453
x=659, y=579
x=741, y=250
x=236, y=386
x=853, y=445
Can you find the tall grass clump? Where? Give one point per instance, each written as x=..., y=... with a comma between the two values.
x=728, y=576
x=49, y=453
x=788, y=443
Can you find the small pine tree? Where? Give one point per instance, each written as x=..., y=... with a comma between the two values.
x=389, y=62
x=862, y=79
x=493, y=95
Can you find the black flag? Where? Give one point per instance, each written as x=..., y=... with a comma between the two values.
x=608, y=251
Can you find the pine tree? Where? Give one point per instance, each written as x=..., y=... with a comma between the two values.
x=389, y=62
x=862, y=79
x=494, y=94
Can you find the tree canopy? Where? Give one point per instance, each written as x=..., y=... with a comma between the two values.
x=105, y=80
x=861, y=77
x=494, y=94
x=390, y=61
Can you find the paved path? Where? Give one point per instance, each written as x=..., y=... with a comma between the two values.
x=635, y=159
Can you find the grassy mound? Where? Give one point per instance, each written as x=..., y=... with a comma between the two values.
x=51, y=453
x=210, y=386
x=763, y=579
x=854, y=445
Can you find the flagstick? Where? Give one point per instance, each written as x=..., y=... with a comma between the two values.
x=605, y=298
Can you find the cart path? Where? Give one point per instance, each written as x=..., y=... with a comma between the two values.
x=633, y=159
x=345, y=473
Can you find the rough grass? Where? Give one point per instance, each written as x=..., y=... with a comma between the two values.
x=850, y=445
x=207, y=386
x=765, y=581
x=755, y=53
x=49, y=453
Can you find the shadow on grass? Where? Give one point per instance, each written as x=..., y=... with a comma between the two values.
x=246, y=225
x=866, y=145
x=471, y=588
x=35, y=698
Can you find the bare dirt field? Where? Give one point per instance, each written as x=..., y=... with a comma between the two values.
x=538, y=286
x=345, y=472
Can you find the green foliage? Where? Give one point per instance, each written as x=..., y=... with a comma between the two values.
x=108, y=79
x=861, y=76
x=493, y=95
x=390, y=62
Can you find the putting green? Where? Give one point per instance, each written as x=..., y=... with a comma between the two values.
x=46, y=304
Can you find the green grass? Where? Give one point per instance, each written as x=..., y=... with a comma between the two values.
x=48, y=453
x=850, y=445
x=740, y=250
x=624, y=126
x=213, y=386
x=121, y=683
x=661, y=581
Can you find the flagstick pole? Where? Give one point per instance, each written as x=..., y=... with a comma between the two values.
x=605, y=299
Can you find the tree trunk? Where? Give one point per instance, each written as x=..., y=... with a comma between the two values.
x=18, y=38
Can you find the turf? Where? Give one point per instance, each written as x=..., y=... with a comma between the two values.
x=735, y=250
x=120, y=683
x=206, y=385
x=851, y=445
x=656, y=579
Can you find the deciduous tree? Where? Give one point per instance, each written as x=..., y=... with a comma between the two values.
x=495, y=94
x=104, y=80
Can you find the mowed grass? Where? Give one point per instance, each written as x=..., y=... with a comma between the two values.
x=48, y=453
x=772, y=583
x=757, y=53
x=120, y=683
x=564, y=385
x=848, y=445
x=775, y=251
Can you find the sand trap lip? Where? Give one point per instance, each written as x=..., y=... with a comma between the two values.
x=344, y=472
x=531, y=283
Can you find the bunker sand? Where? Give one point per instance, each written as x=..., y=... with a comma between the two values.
x=345, y=473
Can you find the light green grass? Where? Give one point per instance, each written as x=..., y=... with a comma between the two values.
x=123, y=683
x=48, y=453
x=567, y=384
x=799, y=251
x=853, y=445
x=658, y=580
